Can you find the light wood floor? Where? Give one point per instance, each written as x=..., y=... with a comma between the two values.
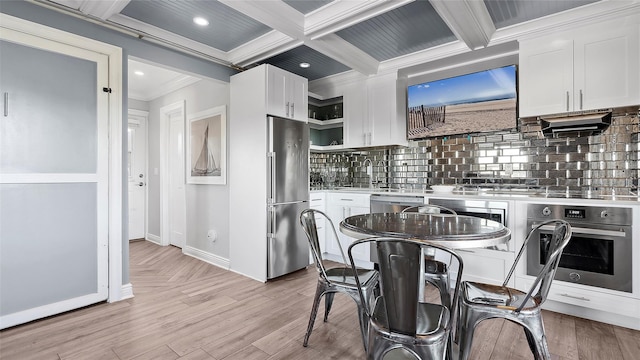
x=186, y=309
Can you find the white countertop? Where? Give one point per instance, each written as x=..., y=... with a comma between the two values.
x=529, y=195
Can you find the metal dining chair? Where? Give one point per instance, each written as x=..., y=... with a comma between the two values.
x=401, y=326
x=435, y=272
x=339, y=279
x=480, y=301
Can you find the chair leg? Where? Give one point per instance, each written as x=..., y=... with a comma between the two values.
x=314, y=312
x=328, y=301
x=363, y=318
x=537, y=339
x=465, y=333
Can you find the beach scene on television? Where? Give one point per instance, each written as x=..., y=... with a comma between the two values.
x=471, y=103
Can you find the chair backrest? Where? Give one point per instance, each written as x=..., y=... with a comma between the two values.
x=430, y=209
x=308, y=222
x=399, y=269
x=559, y=240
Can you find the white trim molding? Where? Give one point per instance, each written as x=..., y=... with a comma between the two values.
x=207, y=257
x=153, y=238
x=165, y=116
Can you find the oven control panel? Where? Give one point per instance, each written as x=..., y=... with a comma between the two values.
x=591, y=214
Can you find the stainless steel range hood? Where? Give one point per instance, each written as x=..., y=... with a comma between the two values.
x=584, y=122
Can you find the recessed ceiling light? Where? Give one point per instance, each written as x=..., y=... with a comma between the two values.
x=304, y=65
x=138, y=72
x=200, y=21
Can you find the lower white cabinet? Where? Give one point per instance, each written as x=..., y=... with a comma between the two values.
x=317, y=202
x=587, y=297
x=339, y=207
x=486, y=266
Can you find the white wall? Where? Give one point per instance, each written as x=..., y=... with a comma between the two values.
x=207, y=205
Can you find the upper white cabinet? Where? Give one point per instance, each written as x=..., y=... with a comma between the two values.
x=593, y=67
x=371, y=113
x=286, y=94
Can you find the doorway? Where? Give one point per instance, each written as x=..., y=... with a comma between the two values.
x=137, y=173
x=172, y=175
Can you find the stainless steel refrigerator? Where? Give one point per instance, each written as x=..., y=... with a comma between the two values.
x=288, y=195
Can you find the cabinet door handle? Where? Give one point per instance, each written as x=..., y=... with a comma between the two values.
x=286, y=107
x=575, y=297
x=580, y=99
x=567, y=101
x=293, y=110
x=364, y=139
x=6, y=104
x=370, y=137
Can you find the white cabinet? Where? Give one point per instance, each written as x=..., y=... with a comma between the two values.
x=340, y=206
x=371, y=113
x=486, y=266
x=286, y=94
x=317, y=202
x=589, y=68
x=355, y=113
x=587, y=297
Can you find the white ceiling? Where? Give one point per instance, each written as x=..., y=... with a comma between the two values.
x=156, y=81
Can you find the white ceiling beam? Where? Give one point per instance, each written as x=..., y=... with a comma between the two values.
x=469, y=20
x=103, y=9
x=342, y=51
x=266, y=46
x=341, y=14
x=289, y=22
x=275, y=14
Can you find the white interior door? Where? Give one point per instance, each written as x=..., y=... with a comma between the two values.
x=137, y=174
x=54, y=180
x=177, y=201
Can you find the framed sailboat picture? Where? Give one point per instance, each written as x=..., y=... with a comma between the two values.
x=207, y=147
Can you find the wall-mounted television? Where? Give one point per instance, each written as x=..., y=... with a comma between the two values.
x=471, y=103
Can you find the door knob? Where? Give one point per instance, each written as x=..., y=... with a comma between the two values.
x=140, y=183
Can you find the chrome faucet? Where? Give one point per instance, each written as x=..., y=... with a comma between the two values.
x=369, y=171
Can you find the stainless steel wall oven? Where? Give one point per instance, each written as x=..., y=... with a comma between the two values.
x=599, y=252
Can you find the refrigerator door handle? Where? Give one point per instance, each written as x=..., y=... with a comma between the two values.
x=271, y=156
x=271, y=225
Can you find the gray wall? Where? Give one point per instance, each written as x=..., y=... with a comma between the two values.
x=207, y=205
x=131, y=46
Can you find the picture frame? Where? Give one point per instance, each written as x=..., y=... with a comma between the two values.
x=206, y=147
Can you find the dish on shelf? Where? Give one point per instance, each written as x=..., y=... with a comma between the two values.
x=442, y=188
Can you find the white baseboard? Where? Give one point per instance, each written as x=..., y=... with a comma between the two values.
x=127, y=291
x=153, y=238
x=206, y=257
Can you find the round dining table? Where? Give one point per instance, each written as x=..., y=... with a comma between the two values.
x=451, y=231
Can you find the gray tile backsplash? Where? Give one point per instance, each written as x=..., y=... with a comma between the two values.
x=606, y=163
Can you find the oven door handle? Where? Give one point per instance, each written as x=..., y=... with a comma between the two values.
x=589, y=231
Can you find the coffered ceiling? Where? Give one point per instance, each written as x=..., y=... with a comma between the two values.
x=333, y=36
